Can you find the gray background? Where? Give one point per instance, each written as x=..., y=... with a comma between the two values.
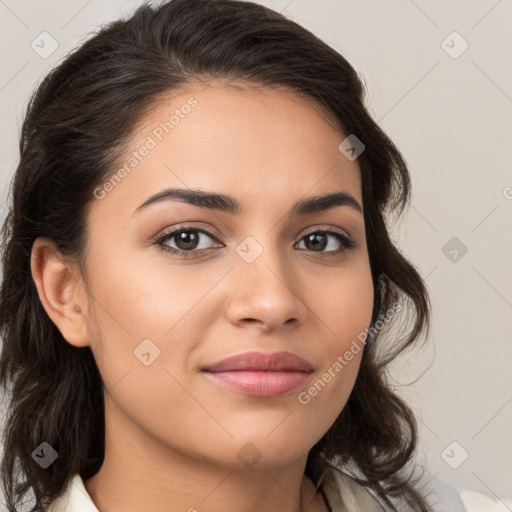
x=451, y=116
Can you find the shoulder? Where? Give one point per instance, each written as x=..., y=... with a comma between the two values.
x=74, y=498
x=344, y=494
x=476, y=501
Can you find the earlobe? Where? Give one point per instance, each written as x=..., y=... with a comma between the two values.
x=59, y=292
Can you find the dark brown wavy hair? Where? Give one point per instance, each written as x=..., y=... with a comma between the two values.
x=77, y=124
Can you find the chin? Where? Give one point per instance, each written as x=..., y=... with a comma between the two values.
x=259, y=452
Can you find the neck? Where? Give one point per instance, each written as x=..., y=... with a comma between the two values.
x=140, y=473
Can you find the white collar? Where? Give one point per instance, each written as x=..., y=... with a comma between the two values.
x=74, y=499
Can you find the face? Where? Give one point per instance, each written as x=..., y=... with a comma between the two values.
x=178, y=284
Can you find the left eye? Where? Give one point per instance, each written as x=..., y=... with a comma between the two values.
x=319, y=240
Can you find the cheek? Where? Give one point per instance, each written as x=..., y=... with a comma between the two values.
x=346, y=307
x=351, y=314
x=140, y=299
x=146, y=314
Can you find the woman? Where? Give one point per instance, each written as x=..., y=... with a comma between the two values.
x=198, y=281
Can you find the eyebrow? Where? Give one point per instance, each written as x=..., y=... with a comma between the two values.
x=229, y=204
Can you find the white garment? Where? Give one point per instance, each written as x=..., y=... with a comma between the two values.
x=475, y=501
x=75, y=498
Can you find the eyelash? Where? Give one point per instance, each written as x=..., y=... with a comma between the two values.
x=346, y=242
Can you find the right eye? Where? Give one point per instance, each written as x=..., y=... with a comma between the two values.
x=187, y=239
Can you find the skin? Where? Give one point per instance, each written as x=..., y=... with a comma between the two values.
x=170, y=429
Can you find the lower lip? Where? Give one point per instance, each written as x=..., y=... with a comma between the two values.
x=260, y=383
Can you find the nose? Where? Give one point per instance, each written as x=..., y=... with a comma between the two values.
x=265, y=293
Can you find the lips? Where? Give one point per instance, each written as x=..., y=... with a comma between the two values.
x=259, y=374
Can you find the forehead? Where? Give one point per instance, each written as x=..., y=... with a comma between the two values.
x=266, y=145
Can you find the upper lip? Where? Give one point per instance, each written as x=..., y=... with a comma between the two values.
x=259, y=361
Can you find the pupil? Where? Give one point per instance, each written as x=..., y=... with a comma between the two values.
x=187, y=240
x=316, y=240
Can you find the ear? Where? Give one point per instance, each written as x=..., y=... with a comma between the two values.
x=61, y=291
